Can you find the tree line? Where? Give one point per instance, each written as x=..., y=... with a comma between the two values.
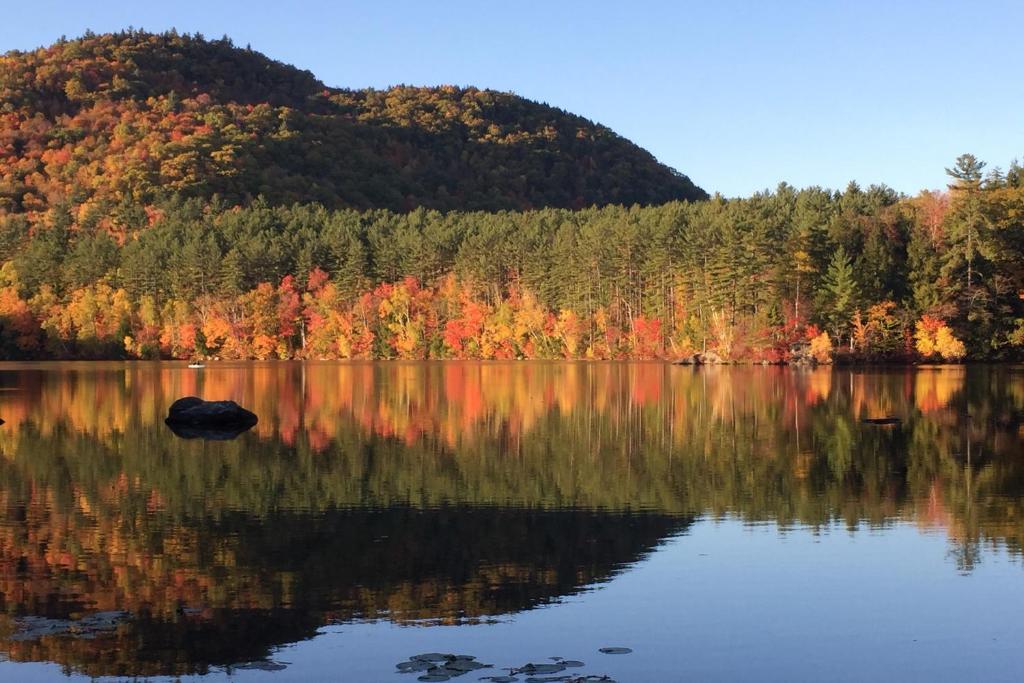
x=863, y=273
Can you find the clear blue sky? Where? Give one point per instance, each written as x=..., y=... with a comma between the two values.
x=737, y=95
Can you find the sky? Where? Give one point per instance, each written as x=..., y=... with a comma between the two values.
x=737, y=95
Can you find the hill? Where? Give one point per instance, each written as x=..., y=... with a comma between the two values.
x=130, y=118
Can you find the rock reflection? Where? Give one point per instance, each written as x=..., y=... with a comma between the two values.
x=207, y=433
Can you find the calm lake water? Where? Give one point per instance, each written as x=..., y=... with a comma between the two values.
x=724, y=523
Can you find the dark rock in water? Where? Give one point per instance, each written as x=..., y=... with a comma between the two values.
x=881, y=420
x=192, y=417
x=195, y=411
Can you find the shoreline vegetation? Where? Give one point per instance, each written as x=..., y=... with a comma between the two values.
x=762, y=280
x=166, y=196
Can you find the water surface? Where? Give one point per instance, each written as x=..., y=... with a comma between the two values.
x=724, y=523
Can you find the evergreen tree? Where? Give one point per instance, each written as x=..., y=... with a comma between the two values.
x=966, y=265
x=840, y=295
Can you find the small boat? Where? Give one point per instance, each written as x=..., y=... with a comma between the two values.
x=196, y=365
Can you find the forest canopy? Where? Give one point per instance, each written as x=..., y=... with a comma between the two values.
x=863, y=272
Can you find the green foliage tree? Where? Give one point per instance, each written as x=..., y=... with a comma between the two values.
x=966, y=266
x=840, y=293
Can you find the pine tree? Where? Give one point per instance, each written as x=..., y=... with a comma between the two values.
x=840, y=292
x=967, y=220
x=966, y=264
x=232, y=273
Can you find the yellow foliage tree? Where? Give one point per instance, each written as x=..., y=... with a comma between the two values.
x=948, y=346
x=570, y=329
x=821, y=348
x=933, y=337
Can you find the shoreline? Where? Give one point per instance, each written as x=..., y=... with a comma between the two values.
x=212, y=363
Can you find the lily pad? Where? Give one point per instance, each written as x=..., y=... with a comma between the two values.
x=262, y=666
x=433, y=657
x=500, y=679
x=30, y=628
x=571, y=663
x=100, y=621
x=111, y=615
x=434, y=677
x=464, y=665
x=541, y=668
x=414, y=665
x=615, y=650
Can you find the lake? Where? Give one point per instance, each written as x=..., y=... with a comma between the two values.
x=733, y=523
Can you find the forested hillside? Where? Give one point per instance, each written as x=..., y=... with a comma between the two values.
x=110, y=123
x=863, y=273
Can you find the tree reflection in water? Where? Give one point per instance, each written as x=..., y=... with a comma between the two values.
x=448, y=492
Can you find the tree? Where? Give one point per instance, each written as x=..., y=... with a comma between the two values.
x=932, y=337
x=839, y=292
x=966, y=234
x=925, y=250
x=820, y=348
x=90, y=258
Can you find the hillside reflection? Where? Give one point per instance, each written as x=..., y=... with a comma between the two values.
x=448, y=492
